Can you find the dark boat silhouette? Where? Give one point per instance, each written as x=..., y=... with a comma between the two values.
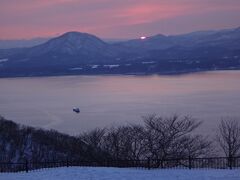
x=76, y=110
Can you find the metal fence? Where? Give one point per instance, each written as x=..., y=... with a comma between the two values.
x=187, y=163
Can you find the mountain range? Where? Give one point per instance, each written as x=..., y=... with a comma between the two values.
x=83, y=53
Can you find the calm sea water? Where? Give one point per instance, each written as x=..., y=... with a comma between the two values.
x=47, y=102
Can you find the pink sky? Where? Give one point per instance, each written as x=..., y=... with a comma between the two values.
x=114, y=18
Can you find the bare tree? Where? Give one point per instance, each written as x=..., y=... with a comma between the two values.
x=159, y=138
x=94, y=138
x=125, y=142
x=136, y=143
x=193, y=146
x=228, y=137
x=169, y=137
x=115, y=142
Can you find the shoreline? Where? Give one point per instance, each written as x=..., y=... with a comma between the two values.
x=169, y=73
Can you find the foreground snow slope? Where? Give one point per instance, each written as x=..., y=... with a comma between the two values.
x=88, y=173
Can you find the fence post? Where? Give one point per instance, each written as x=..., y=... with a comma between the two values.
x=162, y=163
x=189, y=162
x=67, y=163
x=26, y=166
x=148, y=164
x=230, y=162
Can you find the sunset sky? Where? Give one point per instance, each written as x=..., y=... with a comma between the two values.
x=114, y=18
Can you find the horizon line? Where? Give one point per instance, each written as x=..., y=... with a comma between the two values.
x=116, y=38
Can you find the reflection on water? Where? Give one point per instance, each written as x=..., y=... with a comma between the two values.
x=112, y=100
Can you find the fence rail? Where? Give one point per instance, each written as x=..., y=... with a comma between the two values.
x=187, y=163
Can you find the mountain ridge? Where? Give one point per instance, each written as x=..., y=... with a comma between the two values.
x=208, y=50
x=20, y=143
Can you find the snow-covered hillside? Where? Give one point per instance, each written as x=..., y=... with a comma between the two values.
x=88, y=173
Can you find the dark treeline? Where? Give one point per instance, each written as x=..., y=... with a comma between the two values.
x=19, y=143
x=172, y=137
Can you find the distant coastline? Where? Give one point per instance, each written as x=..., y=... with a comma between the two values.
x=167, y=73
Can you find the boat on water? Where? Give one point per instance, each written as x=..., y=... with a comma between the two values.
x=76, y=110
